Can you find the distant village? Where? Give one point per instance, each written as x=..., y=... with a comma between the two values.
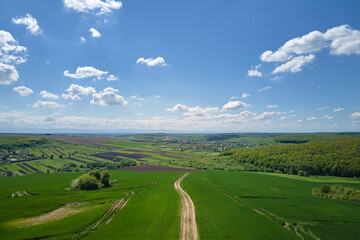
x=17, y=156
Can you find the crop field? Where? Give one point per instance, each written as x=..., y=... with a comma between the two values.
x=241, y=205
x=46, y=208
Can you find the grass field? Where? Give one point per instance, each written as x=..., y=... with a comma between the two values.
x=242, y=205
x=155, y=206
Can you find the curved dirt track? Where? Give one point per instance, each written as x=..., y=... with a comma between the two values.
x=188, y=229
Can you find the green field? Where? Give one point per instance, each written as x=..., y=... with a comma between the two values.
x=240, y=205
x=48, y=193
x=254, y=202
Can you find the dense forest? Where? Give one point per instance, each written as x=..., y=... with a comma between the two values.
x=336, y=157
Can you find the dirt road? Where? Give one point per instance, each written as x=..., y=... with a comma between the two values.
x=188, y=229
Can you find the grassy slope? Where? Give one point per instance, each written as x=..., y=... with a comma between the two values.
x=159, y=222
x=153, y=213
x=224, y=202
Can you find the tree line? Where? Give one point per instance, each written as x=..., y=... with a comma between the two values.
x=336, y=157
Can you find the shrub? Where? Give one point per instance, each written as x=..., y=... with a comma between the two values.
x=93, y=180
x=87, y=182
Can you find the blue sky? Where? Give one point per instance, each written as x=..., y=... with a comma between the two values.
x=179, y=66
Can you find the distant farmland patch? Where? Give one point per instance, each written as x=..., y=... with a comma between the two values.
x=112, y=155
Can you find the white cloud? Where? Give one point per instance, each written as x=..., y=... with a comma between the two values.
x=322, y=108
x=254, y=72
x=272, y=106
x=234, y=97
x=235, y=105
x=295, y=64
x=45, y=104
x=340, y=40
x=82, y=39
x=111, y=78
x=276, y=79
x=283, y=118
x=46, y=94
x=108, y=97
x=178, y=108
x=93, y=6
x=84, y=72
x=299, y=121
x=94, y=33
x=152, y=62
x=10, y=53
x=8, y=74
x=200, y=112
x=157, y=96
x=338, y=109
x=70, y=97
x=308, y=43
x=344, y=40
x=355, y=115
x=245, y=95
x=265, y=115
x=264, y=89
x=23, y=91
x=80, y=90
x=328, y=117
x=30, y=22
x=311, y=118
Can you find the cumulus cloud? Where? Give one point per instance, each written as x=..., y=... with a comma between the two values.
x=157, y=96
x=70, y=97
x=108, y=97
x=340, y=40
x=8, y=74
x=235, y=105
x=338, y=109
x=355, y=115
x=311, y=118
x=200, y=112
x=178, y=108
x=344, y=40
x=10, y=53
x=152, y=62
x=23, y=91
x=265, y=115
x=30, y=22
x=94, y=33
x=272, y=106
x=111, y=78
x=76, y=90
x=98, y=7
x=82, y=39
x=84, y=72
x=308, y=43
x=46, y=94
x=245, y=95
x=45, y=104
x=264, y=89
x=295, y=64
x=254, y=72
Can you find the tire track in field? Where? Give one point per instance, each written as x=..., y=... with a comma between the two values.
x=188, y=228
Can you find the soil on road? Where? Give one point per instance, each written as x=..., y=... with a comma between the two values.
x=188, y=228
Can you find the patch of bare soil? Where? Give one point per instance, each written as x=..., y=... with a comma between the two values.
x=188, y=228
x=52, y=216
x=153, y=168
x=112, y=155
